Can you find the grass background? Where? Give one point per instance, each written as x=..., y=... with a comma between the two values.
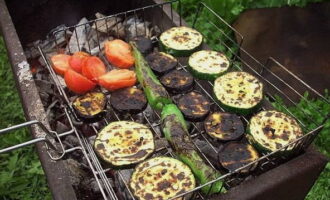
x=21, y=176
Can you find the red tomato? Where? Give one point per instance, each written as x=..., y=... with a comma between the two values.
x=77, y=60
x=77, y=83
x=119, y=53
x=117, y=78
x=60, y=63
x=93, y=68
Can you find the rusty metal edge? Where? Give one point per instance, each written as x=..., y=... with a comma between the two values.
x=55, y=171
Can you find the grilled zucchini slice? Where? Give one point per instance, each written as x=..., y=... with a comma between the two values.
x=177, y=81
x=237, y=154
x=194, y=106
x=90, y=106
x=123, y=143
x=161, y=62
x=181, y=41
x=224, y=126
x=238, y=92
x=208, y=65
x=130, y=100
x=271, y=130
x=161, y=178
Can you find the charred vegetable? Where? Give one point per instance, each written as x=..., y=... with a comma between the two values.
x=224, y=126
x=236, y=154
x=161, y=63
x=161, y=178
x=176, y=132
x=155, y=92
x=124, y=143
x=177, y=81
x=208, y=65
x=181, y=41
x=271, y=130
x=238, y=92
x=194, y=106
x=90, y=105
x=144, y=45
x=130, y=100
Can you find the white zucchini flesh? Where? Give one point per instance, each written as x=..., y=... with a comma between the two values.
x=161, y=178
x=272, y=129
x=238, y=90
x=181, y=38
x=124, y=143
x=210, y=62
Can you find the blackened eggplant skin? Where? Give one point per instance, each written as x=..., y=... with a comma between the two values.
x=177, y=81
x=90, y=106
x=161, y=63
x=237, y=154
x=144, y=45
x=224, y=126
x=194, y=106
x=131, y=100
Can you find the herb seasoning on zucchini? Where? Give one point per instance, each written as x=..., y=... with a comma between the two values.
x=271, y=130
x=194, y=106
x=176, y=132
x=208, y=65
x=90, y=105
x=224, y=126
x=181, y=41
x=161, y=178
x=177, y=81
x=155, y=92
x=238, y=92
x=130, y=100
x=161, y=62
x=124, y=143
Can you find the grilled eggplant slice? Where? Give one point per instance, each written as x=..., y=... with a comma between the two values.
x=177, y=81
x=124, y=143
x=144, y=45
x=161, y=178
x=224, y=126
x=271, y=130
x=237, y=154
x=208, y=65
x=181, y=41
x=90, y=106
x=238, y=92
x=161, y=62
x=194, y=106
x=130, y=100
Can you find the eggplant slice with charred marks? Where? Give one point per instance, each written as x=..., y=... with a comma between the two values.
x=161, y=178
x=130, y=100
x=177, y=81
x=124, y=143
x=161, y=63
x=237, y=154
x=194, y=106
x=224, y=126
x=144, y=45
x=90, y=105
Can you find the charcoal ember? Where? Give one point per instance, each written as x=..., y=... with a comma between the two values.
x=79, y=36
x=118, y=31
x=107, y=24
x=161, y=143
x=76, y=174
x=73, y=140
x=134, y=28
x=91, y=140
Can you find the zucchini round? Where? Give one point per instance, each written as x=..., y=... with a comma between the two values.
x=208, y=65
x=130, y=100
x=238, y=92
x=224, y=126
x=194, y=106
x=161, y=62
x=236, y=154
x=177, y=81
x=124, y=143
x=90, y=106
x=180, y=41
x=161, y=178
x=271, y=130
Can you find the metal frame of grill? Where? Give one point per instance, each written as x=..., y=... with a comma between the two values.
x=265, y=162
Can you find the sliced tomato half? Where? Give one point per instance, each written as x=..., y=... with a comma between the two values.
x=119, y=53
x=117, y=78
x=60, y=63
x=77, y=83
x=77, y=60
x=93, y=68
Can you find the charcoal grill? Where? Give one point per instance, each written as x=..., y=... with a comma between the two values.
x=276, y=172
